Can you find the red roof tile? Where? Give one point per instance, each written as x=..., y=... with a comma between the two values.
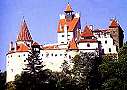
x=24, y=34
x=88, y=40
x=21, y=48
x=51, y=47
x=72, y=44
x=68, y=8
x=71, y=25
x=114, y=23
x=87, y=32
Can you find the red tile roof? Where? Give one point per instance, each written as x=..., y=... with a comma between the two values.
x=114, y=23
x=21, y=48
x=101, y=30
x=68, y=8
x=88, y=40
x=72, y=44
x=24, y=34
x=51, y=47
x=87, y=32
x=71, y=25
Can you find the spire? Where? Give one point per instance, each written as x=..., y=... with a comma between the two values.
x=87, y=32
x=68, y=8
x=24, y=34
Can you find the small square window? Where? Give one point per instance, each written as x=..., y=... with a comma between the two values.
x=60, y=54
x=88, y=45
x=105, y=41
x=109, y=49
x=24, y=60
x=55, y=54
x=62, y=35
x=12, y=70
x=52, y=54
x=23, y=54
x=42, y=54
x=19, y=56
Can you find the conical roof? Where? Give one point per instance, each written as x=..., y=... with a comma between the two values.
x=68, y=8
x=87, y=32
x=24, y=34
x=114, y=23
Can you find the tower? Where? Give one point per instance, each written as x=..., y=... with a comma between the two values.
x=68, y=26
x=116, y=33
x=18, y=53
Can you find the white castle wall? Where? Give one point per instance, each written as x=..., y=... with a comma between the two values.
x=53, y=59
x=106, y=43
x=15, y=64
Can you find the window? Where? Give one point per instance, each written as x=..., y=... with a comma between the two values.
x=47, y=54
x=62, y=35
x=105, y=41
x=60, y=54
x=62, y=42
x=12, y=70
x=65, y=54
x=88, y=45
x=52, y=54
x=23, y=54
x=55, y=54
x=42, y=54
x=68, y=35
x=24, y=60
x=102, y=51
x=105, y=34
x=11, y=55
x=109, y=49
x=19, y=56
x=69, y=56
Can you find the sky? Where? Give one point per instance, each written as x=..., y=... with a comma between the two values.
x=42, y=18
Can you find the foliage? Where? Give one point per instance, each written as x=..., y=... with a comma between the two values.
x=34, y=64
x=42, y=80
x=114, y=72
x=85, y=71
x=2, y=80
x=11, y=85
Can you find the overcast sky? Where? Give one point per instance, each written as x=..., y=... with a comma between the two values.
x=42, y=18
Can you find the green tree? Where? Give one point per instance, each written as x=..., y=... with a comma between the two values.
x=85, y=71
x=2, y=80
x=34, y=64
x=114, y=72
x=34, y=76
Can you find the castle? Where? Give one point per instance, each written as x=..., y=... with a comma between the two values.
x=71, y=41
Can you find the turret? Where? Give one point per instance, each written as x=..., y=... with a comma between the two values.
x=24, y=35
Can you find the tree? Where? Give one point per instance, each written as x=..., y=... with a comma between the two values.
x=34, y=77
x=2, y=80
x=85, y=70
x=114, y=72
x=34, y=61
